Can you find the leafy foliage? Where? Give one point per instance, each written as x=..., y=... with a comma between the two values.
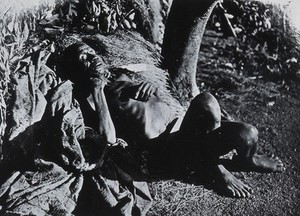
x=266, y=44
x=13, y=38
x=101, y=16
x=18, y=36
x=13, y=35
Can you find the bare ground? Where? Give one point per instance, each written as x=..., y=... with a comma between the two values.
x=274, y=108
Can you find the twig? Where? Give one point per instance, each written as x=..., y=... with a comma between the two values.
x=7, y=11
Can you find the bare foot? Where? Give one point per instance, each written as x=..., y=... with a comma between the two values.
x=232, y=185
x=266, y=164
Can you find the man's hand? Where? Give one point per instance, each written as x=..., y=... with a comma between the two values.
x=144, y=91
x=120, y=142
x=98, y=72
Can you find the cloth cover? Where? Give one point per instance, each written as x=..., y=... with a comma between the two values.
x=46, y=147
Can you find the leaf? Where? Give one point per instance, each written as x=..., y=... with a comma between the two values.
x=114, y=22
x=2, y=67
x=11, y=52
x=75, y=13
x=2, y=116
x=48, y=14
x=61, y=13
x=105, y=8
x=96, y=9
x=14, y=58
x=25, y=33
x=4, y=31
x=70, y=10
x=126, y=24
x=108, y=19
x=73, y=9
x=119, y=12
x=16, y=28
x=5, y=53
x=133, y=24
x=21, y=45
x=32, y=23
x=131, y=15
x=87, y=7
x=10, y=26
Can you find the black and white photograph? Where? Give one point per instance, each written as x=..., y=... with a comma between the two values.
x=149, y=107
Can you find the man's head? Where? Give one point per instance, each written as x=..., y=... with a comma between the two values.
x=80, y=64
x=82, y=55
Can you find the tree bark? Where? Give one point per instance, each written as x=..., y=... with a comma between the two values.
x=149, y=13
x=183, y=35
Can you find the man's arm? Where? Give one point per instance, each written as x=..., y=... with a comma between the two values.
x=126, y=88
x=106, y=127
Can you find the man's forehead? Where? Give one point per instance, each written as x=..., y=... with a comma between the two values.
x=83, y=47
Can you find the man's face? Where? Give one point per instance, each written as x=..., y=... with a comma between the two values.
x=86, y=55
x=92, y=63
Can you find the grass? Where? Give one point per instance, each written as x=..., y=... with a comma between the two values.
x=176, y=198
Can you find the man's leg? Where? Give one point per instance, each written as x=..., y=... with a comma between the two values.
x=243, y=138
x=208, y=138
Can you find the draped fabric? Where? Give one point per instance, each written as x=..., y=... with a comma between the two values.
x=47, y=149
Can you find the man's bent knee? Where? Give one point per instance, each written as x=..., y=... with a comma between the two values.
x=208, y=107
x=204, y=113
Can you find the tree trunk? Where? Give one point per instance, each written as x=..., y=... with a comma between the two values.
x=149, y=14
x=183, y=35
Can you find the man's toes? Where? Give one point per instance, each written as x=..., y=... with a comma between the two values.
x=247, y=192
x=237, y=193
x=231, y=192
x=243, y=192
